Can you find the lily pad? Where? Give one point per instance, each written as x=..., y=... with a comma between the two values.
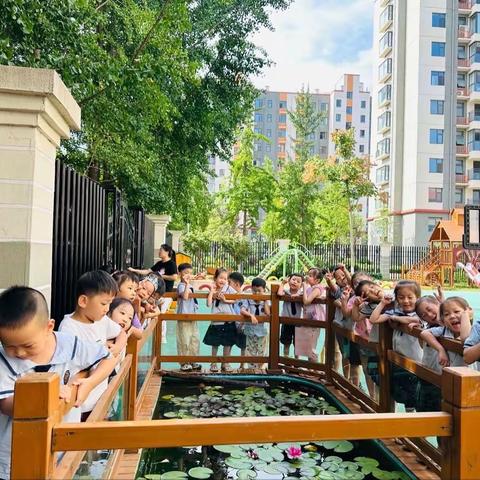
x=238, y=464
x=200, y=472
x=170, y=414
x=246, y=474
x=344, y=447
x=174, y=475
x=226, y=448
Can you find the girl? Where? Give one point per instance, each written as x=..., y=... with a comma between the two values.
x=405, y=296
x=290, y=309
x=127, y=283
x=121, y=311
x=306, y=338
x=188, y=342
x=255, y=332
x=221, y=333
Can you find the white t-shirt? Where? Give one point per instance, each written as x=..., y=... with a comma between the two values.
x=71, y=356
x=96, y=332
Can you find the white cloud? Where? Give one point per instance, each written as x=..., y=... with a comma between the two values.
x=315, y=42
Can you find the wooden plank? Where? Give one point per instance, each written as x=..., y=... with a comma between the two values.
x=295, y=362
x=274, y=343
x=330, y=338
x=384, y=370
x=210, y=317
x=145, y=384
x=353, y=337
x=303, y=322
x=426, y=452
x=230, y=296
x=416, y=368
x=354, y=391
x=132, y=348
x=229, y=431
x=211, y=359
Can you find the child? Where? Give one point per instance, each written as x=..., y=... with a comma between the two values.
x=405, y=294
x=290, y=309
x=89, y=322
x=122, y=312
x=29, y=345
x=127, y=283
x=255, y=332
x=306, y=338
x=221, y=333
x=471, y=347
x=188, y=341
x=236, y=280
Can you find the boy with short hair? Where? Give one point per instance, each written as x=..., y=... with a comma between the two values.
x=236, y=280
x=30, y=345
x=89, y=322
x=188, y=339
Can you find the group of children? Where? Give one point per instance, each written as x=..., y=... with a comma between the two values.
x=86, y=349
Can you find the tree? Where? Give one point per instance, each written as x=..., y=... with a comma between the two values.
x=348, y=174
x=251, y=186
x=161, y=83
x=294, y=213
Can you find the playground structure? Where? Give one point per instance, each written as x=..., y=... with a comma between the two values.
x=446, y=255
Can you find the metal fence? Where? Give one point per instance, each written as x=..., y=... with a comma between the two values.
x=405, y=257
x=93, y=228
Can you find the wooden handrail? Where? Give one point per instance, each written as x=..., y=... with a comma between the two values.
x=177, y=433
x=416, y=368
x=303, y=322
x=210, y=317
x=353, y=337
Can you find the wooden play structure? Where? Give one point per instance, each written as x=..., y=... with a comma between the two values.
x=438, y=267
x=38, y=432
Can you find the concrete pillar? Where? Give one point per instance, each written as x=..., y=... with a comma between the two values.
x=385, y=252
x=177, y=240
x=36, y=112
x=160, y=232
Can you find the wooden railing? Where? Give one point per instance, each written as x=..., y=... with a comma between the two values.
x=38, y=423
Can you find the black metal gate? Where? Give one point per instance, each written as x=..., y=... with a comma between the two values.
x=93, y=228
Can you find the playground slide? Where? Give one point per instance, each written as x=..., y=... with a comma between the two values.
x=472, y=272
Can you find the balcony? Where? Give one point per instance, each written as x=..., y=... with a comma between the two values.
x=474, y=175
x=462, y=121
x=464, y=5
x=461, y=178
x=474, y=116
x=462, y=149
x=474, y=149
x=462, y=92
x=472, y=201
x=463, y=63
x=464, y=33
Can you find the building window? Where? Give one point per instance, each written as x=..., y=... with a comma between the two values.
x=258, y=103
x=438, y=20
x=383, y=174
x=282, y=118
x=349, y=110
x=476, y=197
x=338, y=103
x=282, y=133
x=461, y=80
x=363, y=118
x=269, y=118
x=338, y=117
x=385, y=94
x=461, y=109
x=474, y=140
x=459, y=167
x=475, y=23
x=363, y=103
x=258, y=130
x=435, y=165
x=459, y=197
x=282, y=104
x=432, y=223
x=435, y=195
x=269, y=133
x=386, y=16
x=269, y=103
x=436, y=136
x=361, y=148
x=311, y=136
x=383, y=147
x=349, y=95
x=281, y=147
x=462, y=52
x=362, y=133
x=348, y=125
x=268, y=148
x=385, y=69
x=460, y=138
x=323, y=135
x=323, y=150
x=438, y=78
x=324, y=120
x=475, y=82
x=258, y=117
x=323, y=107
x=384, y=121
x=438, y=49
x=436, y=107
x=386, y=41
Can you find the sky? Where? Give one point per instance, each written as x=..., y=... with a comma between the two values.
x=315, y=42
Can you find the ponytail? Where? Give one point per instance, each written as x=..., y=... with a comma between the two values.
x=170, y=251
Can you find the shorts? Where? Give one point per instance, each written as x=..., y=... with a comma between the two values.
x=287, y=335
x=354, y=354
x=429, y=397
x=241, y=340
x=343, y=345
x=221, y=335
x=403, y=387
x=372, y=365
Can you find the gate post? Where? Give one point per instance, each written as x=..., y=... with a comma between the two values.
x=160, y=232
x=36, y=112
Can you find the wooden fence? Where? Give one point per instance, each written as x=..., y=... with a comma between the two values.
x=38, y=423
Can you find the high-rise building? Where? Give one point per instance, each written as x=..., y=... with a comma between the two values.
x=425, y=118
x=220, y=173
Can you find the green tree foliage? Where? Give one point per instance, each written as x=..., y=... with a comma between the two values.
x=349, y=176
x=294, y=214
x=161, y=83
x=251, y=186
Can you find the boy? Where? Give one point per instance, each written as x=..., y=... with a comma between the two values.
x=188, y=339
x=291, y=286
x=89, y=322
x=236, y=280
x=29, y=345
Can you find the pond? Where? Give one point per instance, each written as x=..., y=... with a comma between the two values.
x=262, y=395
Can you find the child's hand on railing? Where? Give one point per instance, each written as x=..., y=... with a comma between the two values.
x=254, y=320
x=440, y=296
x=84, y=389
x=65, y=393
x=443, y=359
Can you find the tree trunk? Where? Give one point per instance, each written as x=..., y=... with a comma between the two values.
x=352, y=239
x=244, y=228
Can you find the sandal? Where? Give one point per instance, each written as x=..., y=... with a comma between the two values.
x=226, y=368
x=213, y=368
x=186, y=367
x=196, y=366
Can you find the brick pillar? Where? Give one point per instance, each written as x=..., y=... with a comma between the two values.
x=36, y=112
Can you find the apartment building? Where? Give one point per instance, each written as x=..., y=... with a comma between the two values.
x=415, y=140
x=220, y=169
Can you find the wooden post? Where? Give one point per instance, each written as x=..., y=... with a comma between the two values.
x=385, y=372
x=36, y=410
x=274, y=328
x=132, y=347
x=329, y=338
x=157, y=342
x=461, y=398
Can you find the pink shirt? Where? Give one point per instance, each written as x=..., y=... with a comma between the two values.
x=315, y=311
x=363, y=327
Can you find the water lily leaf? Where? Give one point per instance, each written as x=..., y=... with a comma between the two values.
x=270, y=469
x=200, y=472
x=381, y=475
x=329, y=444
x=168, y=397
x=308, y=472
x=326, y=476
x=225, y=448
x=333, y=459
x=344, y=447
x=246, y=474
x=153, y=476
x=248, y=446
x=366, y=461
x=170, y=414
x=239, y=464
x=350, y=466
x=174, y=475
